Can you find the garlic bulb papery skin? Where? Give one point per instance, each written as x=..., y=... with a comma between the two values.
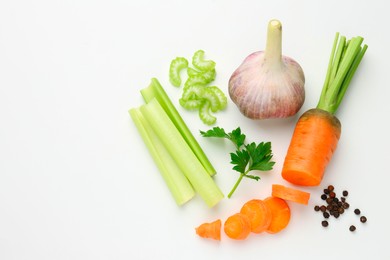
x=268, y=84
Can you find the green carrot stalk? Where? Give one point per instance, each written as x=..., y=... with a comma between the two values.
x=155, y=90
x=180, y=151
x=344, y=60
x=177, y=183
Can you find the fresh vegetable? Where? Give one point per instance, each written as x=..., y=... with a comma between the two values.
x=280, y=214
x=156, y=120
x=210, y=230
x=177, y=65
x=258, y=213
x=268, y=84
x=237, y=226
x=248, y=157
x=197, y=94
x=155, y=90
x=200, y=63
x=318, y=130
x=182, y=153
x=177, y=183
x=271, y=215
x=290, y=194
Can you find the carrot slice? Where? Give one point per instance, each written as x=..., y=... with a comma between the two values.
x=290, y=194
x=280, y=214
x=210, y=230
x=258, y=213
x=237, y=226
x=312, y=145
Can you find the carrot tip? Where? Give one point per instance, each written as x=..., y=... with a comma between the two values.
x=210, y=230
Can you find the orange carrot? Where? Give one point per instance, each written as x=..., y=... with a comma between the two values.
x=258, y=213
x=317, y=131
x=314, y=140
x=210, y=230
x=280, y=214
x=237, y=226
x=290, y=194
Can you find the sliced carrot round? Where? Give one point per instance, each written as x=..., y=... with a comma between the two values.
x=280, y=214
x=290, y=194
x=210, y=230
x=258, y=213
x=237, y=226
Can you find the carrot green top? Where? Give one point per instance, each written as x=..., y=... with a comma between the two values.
x=344, y=60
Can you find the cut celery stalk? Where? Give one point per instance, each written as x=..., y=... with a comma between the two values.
x=192, y=92
x=190, y=104
x=220, y=95
x=155, y=90
x=178, y=148
x=176, y=181
x=174, y=70
x=200, y=63
x=208, y=76
x=205, y=115
x=195, y=80
x=210, y=96
x=193, y=72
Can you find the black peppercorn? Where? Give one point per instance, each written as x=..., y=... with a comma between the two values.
x=363, y=219
x=345, y=193
x=324, y=223
x=357, y=211
x=323, y=196
x=352, y=228
x=317, y=208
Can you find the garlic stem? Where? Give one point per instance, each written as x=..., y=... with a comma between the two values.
x=273, y=48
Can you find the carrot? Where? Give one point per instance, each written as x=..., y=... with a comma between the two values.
x=258, y=213
x=290, y=194
x=210, y=230
x=237, y=226
x=318, y=130
x=280, y=214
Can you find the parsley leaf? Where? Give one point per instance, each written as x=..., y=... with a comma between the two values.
x=247, y=157
x=215, y=132
x=240, y=160
x=261, y=156
x=236, y=137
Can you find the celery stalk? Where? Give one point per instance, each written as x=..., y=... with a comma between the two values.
x=181, y=152
x=155, y=90
x=177, y=183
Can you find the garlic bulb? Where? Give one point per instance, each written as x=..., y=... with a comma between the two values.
x=268, y=84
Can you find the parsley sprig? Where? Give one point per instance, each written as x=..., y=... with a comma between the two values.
x=247, y=157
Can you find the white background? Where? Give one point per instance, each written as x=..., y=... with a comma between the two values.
x=76, y=180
